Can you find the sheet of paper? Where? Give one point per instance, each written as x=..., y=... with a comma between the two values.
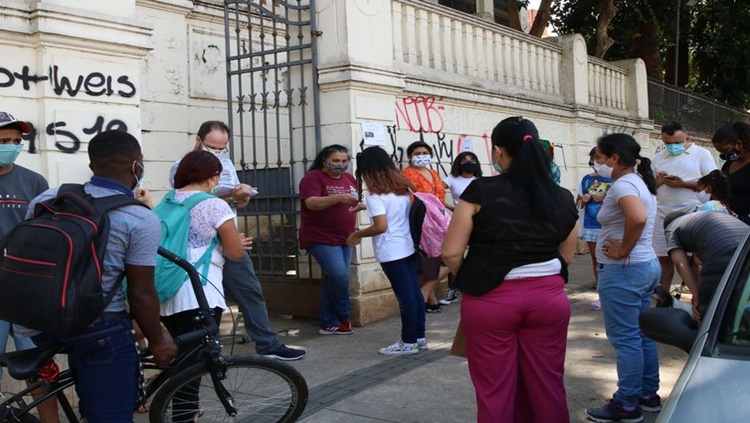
x=373, y=133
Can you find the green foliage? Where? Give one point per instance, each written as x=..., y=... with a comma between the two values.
x=720, y=42
x=718, y=34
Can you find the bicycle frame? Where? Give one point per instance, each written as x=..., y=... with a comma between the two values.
x=201, y=341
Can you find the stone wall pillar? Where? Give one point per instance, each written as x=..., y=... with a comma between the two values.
x=637, y=87
x=72, y=69
x=574, y=70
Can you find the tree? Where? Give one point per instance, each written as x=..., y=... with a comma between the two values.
x=607, y=12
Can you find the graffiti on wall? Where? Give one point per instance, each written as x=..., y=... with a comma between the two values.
x=94, y=84
x=420, y=114
x=66, y=139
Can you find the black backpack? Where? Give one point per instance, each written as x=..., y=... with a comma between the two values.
x=51, y=265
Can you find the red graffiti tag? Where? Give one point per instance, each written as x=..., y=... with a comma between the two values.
x=420, y=114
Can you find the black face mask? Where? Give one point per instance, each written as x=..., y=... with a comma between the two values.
x=469, y=167
x=732, y=156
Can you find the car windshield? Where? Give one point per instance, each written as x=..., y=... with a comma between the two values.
x=735, y=325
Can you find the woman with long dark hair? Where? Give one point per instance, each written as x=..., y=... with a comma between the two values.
x=329, y=205
x=388, y=201
x=733, y=144
x=629, y=272
x=521, y=231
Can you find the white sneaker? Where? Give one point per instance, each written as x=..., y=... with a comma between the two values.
x=400, y=348
x=450, y=298
x=422, y=343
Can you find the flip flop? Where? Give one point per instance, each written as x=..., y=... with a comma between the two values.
x=596, y=305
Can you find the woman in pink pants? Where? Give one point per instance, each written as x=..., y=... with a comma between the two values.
x=514, y=311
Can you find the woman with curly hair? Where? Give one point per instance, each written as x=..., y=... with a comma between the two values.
x=388, y=201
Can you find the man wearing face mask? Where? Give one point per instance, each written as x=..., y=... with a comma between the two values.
x=677, y=168
x=105, y=351
x=18, y=186
x=239, y=275
x=329, y=199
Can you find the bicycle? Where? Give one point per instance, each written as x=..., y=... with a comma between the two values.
x=232, y=387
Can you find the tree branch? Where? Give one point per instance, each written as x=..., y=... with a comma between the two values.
x=607, y=12
x=542, y=18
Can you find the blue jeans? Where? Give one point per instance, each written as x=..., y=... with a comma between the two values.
x=244, y=286
x=21, y=342
x=104, y=361
x=625, y=291
x=334, y=298
x=402, y=274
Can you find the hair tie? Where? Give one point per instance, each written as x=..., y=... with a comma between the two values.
x=527, y=137
x=637, y=162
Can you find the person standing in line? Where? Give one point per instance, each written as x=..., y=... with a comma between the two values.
x=521, y=231
x=733, y=144
x=239, y=275
x=677, y=169
x=329, y=199
x=18, y=186
x=465, y=169
x=211, y=218
x=424, y=179
x=106, y=350
x=628, y=275
x=388, y=202
x=591, y=193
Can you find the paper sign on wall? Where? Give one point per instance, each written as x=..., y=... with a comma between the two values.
x=373, y=133
x=467, y=145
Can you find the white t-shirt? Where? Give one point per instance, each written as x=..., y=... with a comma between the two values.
x=613, y=221
x=395, y=243
x=691, y=165
x=205, y=218
x=457, y=185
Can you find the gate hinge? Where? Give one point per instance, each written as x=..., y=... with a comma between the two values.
x=316, y=33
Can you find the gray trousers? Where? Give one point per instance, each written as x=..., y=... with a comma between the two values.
x=242, y=283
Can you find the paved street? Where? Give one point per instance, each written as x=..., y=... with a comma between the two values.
x=350, y=382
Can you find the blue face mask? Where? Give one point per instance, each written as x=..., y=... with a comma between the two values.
x=8, y=153
x=497, y=168
x=675, y=149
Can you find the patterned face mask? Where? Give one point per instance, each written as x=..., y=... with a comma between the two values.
x=421, y=160
x=337, y=168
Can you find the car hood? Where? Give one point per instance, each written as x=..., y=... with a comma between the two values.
x=718, y=390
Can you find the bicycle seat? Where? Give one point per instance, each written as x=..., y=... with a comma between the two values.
x=24, y=365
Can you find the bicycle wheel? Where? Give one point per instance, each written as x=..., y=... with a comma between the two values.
x=263, y=390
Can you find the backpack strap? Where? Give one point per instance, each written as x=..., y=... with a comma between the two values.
x=105, y=205
x=191, y=202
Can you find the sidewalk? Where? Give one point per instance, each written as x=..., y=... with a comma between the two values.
x=350, y=382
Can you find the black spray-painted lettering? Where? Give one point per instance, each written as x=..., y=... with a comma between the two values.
x=93, y=84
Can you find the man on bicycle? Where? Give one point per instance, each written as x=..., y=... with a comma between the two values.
x=104, y=356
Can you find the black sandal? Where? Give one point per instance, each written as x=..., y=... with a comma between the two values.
x=433, y=308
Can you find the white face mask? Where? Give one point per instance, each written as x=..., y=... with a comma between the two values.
x=421, y=160
x=218, y=153
x=138, y=181
x=703, y=196
x=604, y=170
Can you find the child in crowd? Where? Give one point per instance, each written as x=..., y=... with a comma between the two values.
x=388, y=201
x=590, y=196
x=713, y=192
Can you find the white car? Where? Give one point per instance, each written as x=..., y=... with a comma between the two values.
x=714, y=386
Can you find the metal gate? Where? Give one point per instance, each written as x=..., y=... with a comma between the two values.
x=272, y=102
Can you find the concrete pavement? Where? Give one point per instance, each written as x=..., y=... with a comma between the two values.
x=350, y=382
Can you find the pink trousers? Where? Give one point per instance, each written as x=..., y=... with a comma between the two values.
x=516, y=336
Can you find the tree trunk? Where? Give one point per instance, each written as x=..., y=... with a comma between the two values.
x=542, y=18
x=607, y=12
x=513, y=20
x=647, y=47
